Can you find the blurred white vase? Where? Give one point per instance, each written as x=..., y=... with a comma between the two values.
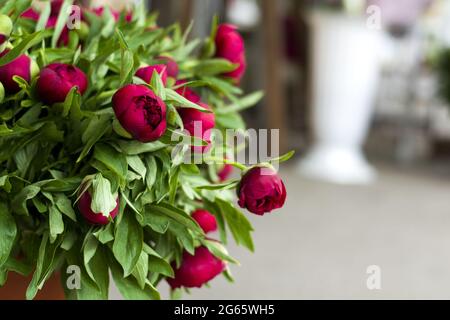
x=345, y=71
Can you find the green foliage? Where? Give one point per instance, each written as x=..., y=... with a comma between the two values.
x=49, y=155
x=443, y=69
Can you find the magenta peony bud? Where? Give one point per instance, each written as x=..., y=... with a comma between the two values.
x=225, y=172
x=261, y=190
x=84, y=206
x=198, y=124
x=196, y=270
x=57, y=79
x=146, y=73
x=140, y=112
x=206, y=220
x=21, y=66
x=172, y=66
x=187, y=92
x=230, y=46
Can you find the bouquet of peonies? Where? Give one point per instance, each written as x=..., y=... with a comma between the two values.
x=101, y=115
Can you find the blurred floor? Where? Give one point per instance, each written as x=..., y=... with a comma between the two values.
x=320, y=244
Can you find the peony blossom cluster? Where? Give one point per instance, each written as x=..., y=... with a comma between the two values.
x=143, y=114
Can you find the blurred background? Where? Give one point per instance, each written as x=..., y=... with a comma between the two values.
x=361, y=90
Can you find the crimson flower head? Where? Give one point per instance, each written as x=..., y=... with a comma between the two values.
x=187, y=92
x=261, y=190
x=230, y=46
x=140, y=112
x=22, y=66
x=198, y=124
x=146, y=73
x=206, y=220
x=197, y=269
x=57, y=79
x=84, y=206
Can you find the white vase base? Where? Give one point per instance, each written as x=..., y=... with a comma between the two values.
x=337, y=165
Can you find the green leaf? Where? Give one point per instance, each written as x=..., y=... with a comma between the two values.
x=141, y=270
x=243, y=103
x=239, y=226
x=8, y=231
x=112, y=159
x=217, y=249
x=220, y=186
x=24, y=45
x=176, y=215
x=157, y=264
x=183, y=236
x=182, y=102
x=5, y=184
x=129, y=287
x=283, y=158
x=45, y=265
x=127, y=66
x=105, y=234
x=128, y=241
x=64, y=13
x=89, y=248
x=158, y=222
x=135, y=147
x=137, y=165
x=97, y=127
x=56, y=223
x=19, y=202
x=157, y=85
x=43, y=18
x=65, y=206
x=160, y=266
x=230, y=120
x=211, y=67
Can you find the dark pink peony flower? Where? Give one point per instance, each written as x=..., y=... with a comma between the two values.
x=196, y=270
x=172, y=66
x=21, y=66
x=230, y=46
x=57, y=79
x=261, y=190
x=205, y=219
x=198, y=124
x=187, y=92
x=225, y=172
x=84, y=206
x=146, y=73
x=140, y=112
